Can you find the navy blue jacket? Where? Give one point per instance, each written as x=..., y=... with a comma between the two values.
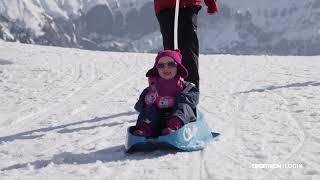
x=185, y=108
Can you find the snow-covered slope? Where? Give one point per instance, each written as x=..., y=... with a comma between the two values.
x=242, y=27
x=64, y=114
x=94, y=24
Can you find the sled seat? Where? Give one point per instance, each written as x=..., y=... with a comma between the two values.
x=191, y=137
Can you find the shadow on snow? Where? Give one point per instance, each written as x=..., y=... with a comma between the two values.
x=5, y=62
x=270, y=88
x=112, y=154
x=64, y=128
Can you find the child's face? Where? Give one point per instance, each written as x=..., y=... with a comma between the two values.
x=167, y=67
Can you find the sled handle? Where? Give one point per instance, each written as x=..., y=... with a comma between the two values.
x=176, y=19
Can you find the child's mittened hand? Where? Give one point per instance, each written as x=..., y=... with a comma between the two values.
x=151, y=96
x=165, y=102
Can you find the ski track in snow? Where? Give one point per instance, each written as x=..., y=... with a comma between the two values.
x=239, y=103
x=64, y=114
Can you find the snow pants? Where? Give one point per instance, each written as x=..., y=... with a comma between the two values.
x=152, y=116
x=187, y=37
x=157, y=118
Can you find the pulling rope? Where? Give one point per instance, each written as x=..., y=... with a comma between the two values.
x=176, y=18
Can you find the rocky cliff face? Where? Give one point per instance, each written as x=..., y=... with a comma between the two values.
x=257, y=27
x=246, y=27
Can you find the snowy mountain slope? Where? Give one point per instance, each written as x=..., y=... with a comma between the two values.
x=75, y=23
x=276, y=27
x=242, y=27
x=64, y=114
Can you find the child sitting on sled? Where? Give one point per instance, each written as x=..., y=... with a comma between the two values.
x=169, y=102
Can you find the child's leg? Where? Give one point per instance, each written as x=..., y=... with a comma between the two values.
x=149, y=121
x=172, y=124
x=181, y=115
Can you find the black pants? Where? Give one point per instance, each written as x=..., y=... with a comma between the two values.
x=187, y=37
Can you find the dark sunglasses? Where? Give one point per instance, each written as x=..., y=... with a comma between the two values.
x=169, y=65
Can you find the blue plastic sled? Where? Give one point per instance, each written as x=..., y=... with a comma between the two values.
x=191, y=137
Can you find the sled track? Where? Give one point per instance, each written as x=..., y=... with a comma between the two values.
x=89, y=88
x=241, y=102
x=85, y=86
x=242, y=106
x=199, y=168
x=231, y=130
x=197, y=158
x=298, y=148
x=106, y=94
x=52, y=95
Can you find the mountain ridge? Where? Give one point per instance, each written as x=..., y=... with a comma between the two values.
x=249, y=27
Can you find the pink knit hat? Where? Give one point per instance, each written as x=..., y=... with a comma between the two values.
x=176, y=56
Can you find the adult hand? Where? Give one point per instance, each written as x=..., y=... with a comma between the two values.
x=212, y=10
x=212, y=5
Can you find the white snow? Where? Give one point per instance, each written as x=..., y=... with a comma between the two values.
x=64, y=114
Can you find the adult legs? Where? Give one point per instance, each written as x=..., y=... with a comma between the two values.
x=187, y=38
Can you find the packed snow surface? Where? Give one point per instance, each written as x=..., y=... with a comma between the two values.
x=64, y=115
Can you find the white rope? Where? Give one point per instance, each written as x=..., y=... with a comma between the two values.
x=176, y=18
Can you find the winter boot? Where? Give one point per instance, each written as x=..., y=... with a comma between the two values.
x=143, y=130
x=173, y=124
